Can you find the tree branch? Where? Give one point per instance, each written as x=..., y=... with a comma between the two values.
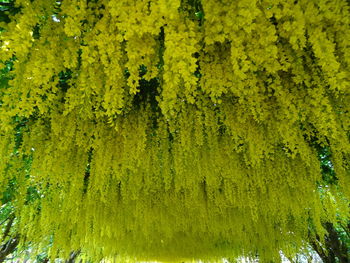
x=8, y=248
x=73, y=256
x=8, y=227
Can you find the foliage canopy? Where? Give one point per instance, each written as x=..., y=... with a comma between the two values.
x=176, y=129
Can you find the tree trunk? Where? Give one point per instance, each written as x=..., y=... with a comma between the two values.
x=334, y=249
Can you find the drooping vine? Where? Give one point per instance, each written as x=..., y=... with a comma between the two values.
x=169, y=130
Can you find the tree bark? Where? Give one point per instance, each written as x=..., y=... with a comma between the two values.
x=8, y=248
x=334, y=249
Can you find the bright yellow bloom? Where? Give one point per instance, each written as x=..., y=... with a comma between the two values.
x=213, y=155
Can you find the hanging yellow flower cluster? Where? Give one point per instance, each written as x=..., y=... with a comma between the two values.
x=174, y=130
